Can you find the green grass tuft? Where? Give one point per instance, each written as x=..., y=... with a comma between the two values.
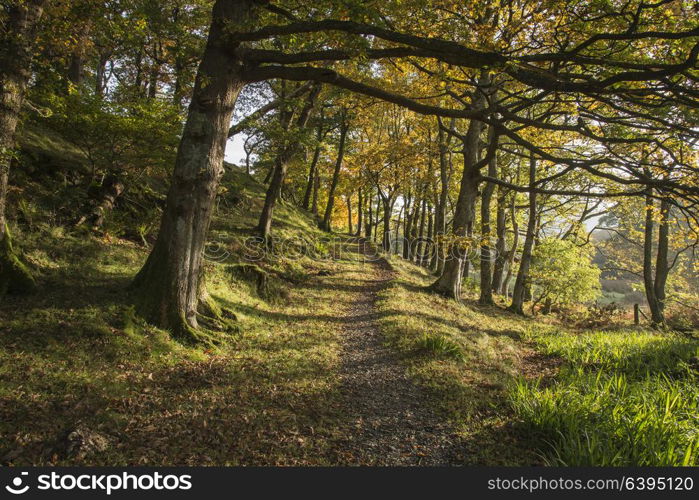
x=440, y=345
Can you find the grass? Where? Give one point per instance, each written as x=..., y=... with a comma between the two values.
x=466, y=357
x=74, y=354
x=624, y=398
x=440, y=345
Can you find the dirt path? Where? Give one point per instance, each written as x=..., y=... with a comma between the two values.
x=391, y=419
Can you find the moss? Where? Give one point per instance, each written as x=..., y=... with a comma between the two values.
x=15, y=277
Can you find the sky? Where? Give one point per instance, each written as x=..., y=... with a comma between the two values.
x=234, y=150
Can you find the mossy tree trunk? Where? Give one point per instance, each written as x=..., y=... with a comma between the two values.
x=16, y=51
x=170, y=284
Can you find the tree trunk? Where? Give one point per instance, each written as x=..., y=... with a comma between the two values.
x=500, y=250
x=370, y=220
x=170, y=283
x=312, y=169
x=421, y=232
x=360, y=212
x=505, y=290
x=522, y=281
x=178, y=90
x=486, y=284
x=336, y=174
x=440, y=216
x=153, y=81
x=76, y=68
x=349, y=215
x=661, y=261
x=449, y=283
x=407, y=226
x=387, y=210
x=655, y=285
x=100, y=73
x=316, y=186
x=112, y=188
x=427, y=245
x=286, y=153
x=377, y=211
x=311, y=179
x=399, y=221
x=411, y=238
x=16, y=53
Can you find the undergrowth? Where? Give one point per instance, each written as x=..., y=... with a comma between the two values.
x=623, y=398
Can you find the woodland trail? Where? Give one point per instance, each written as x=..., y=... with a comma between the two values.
x=392, y=421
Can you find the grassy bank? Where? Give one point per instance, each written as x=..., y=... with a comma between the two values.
x=623, y=398
x=468, y=357
x=525, y=392
x=74, y=356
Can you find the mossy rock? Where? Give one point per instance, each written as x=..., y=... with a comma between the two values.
x=266, y=285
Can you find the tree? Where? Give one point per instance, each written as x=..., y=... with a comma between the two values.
x=286, y=151
x=562, y=273
x=522, y=280
x=449, y=283
x=486, y=284
x=169, y=286
x=16, y=53
x=585, y=59
x=344, y=128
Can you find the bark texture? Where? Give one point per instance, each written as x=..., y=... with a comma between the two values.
x=449, y=283
x=170, y=284
x=16, y=52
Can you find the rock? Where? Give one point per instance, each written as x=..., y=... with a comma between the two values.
x=82, y=442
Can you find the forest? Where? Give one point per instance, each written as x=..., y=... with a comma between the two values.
x=349, y=232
